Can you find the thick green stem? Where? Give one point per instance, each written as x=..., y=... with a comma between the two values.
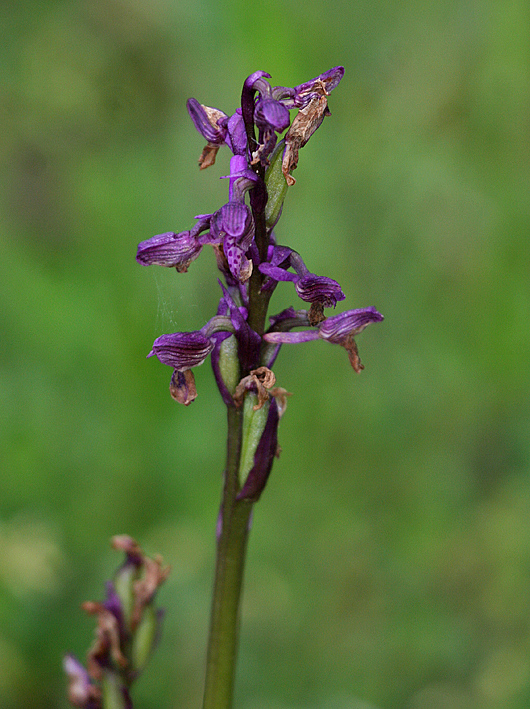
x=235, y=514
x=231, y=548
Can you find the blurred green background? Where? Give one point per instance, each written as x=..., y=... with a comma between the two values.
x=389, y=563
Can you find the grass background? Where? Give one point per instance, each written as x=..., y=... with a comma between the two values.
x=389, y=560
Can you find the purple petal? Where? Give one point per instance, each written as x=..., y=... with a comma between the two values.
x=169, y=249
x=182, y=350
x=338, y=327
x=205, y=120
x=273, y=114
x=263, y=457
x=237, y=261
x=236, y=138
x=291, y=338
x=319, y=289
x=279, y=274
x=233, y=218
x=329, y=79
x=280, y=255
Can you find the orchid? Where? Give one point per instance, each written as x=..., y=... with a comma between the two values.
x=265, y=141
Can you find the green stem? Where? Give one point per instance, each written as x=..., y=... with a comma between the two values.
x=231, y=548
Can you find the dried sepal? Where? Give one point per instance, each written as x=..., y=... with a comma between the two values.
x=154, y=575
x=208, y=155
x=182, y=387
x=306, y=122
x=259, y=379
x=353, y=354
x=107, y=643
x=280, y=394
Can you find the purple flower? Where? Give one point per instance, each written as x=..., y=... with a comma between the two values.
x=207, y=121
x=81, y=691
x=311, y=97
x=169, y=249
x=325, y=82
x=338, y=329
x=182, y=350
x=317, y=290
x=233, y=226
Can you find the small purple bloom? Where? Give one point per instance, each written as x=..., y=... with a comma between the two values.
x=169, y=249
x=338, y=329
x=207, y=121
x=182, y=350
x=313, y=289
x=233, y=225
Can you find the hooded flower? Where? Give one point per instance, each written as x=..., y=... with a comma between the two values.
x=312, y=99
x=169, y=249
x=338, y=329
x=182, y=351
x=321, y=291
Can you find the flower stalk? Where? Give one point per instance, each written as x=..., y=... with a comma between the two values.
x=265, y=143
x=232, y=538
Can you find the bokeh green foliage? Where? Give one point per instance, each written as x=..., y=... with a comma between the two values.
x=390, y=556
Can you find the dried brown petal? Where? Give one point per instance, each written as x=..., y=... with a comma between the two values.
x=107, y=640
x=280, y=394
x=262, y=378
x=353, y=353
x=208, y=155
x=306, y=122
x=145, y=588
x=316, y=313
x=182, y=387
